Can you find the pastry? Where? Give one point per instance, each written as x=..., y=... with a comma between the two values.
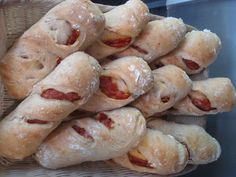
x=171, y=84
x=210, y=96
x=64, y=90
x=156, y=153
x=123, y=24
x=202, y=147
x=121, y=81
x=68, y=27
x=107, y=135
x=196, y=52
x=158, y=38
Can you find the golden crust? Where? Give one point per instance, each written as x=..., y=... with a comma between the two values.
x=42, y=44
x=79, y=73
x=200, y=47
x=129, y=18
x=24, y=65
x=219, y=91
x=158, y=38
x=169, y=82
x=202, y=147
x=65, y=147
x=163, y=152
x=133, y=73
x=126, y=20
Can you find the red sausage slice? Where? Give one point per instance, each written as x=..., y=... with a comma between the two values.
x=118, y=43
x=200, y=101
x=81, y=131
x=73, y=37
x=138, y=161
x=105, y=120
x=191, y=64
x=57, y=95
x=110, y=89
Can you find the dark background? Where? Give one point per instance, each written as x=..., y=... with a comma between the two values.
x=220, y=17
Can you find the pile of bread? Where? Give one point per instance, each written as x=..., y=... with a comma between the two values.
x=98, y=85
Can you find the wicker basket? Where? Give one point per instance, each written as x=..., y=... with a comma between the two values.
x=16, y=16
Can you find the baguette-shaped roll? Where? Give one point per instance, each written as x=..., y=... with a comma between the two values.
x=158, y=38
x=202, y=147
x=68, y=27
x=171, y=84
x=64, y=90
x=198, y=50
x=156, y=153
x=109, y=135
x=210, y=96
x=123, y=24
x=121, y=81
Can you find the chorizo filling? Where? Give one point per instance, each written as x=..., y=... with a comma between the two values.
x=73, y=37
x=201, y=101
x=136, y=158
x=62, y=31
x=115, y=40
x=81, y=131
x=191, y=64
x=105, y=120
x=57, y=95
x=110, y=88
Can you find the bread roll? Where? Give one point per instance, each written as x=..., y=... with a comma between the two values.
x=156, y=153
x=121, y=81
x=171, y=84
x=64, y=90
x=158, y=38
x=109, y=135
x=210, y=96
x=197, y=51
x=202, y=147
x=123, y=24
x=68, y=27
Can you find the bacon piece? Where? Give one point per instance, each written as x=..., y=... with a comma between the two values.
x=118, y=43
x=200, y=101
x=105, y=120
x=139, y=49
x=165, y=99
x=191, y=64
x=110, y=89
x=81, y=131
x=59, y=59
x=36, y=121
x=55, y=94
x=135, y=157
x=73, y=37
